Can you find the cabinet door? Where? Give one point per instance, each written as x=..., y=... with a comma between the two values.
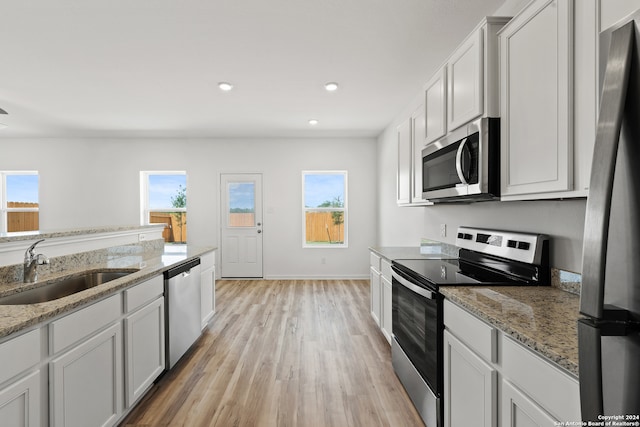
x=145, y=349
x=536, y=99
x=86, y=382
x=470, y=387
x=417, y=144
x=435, y=105
x=386, y=309
x=20, y=402
x=465, y=76
x=208, y=295
x=520, y=411
x=374, y=279
x=404, y=163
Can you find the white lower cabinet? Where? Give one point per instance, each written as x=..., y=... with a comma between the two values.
x=470, y=387
x=208, y=288
x=376, y=294
x=86, y=382
x=386, y=308
x=20, y=402
x=512, y=387
x=381, y=294
x=145, y=349
x=518, y=410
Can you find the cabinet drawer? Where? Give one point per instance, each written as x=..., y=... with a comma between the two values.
x=479, y=336
x=19, y=354
x=84, y=322
x=144, y=292
x=374, y=261
x=207, y=260
x=385, y=269
x=550, y=387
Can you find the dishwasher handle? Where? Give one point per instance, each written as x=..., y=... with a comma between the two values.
x=182, y=268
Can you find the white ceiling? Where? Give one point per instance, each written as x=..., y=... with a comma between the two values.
x=150, y=68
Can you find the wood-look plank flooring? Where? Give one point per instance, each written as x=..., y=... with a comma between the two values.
x=283, y=353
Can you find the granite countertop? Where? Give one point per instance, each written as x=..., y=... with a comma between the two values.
x=50, y=234
x=14, y=318
x=542, y=318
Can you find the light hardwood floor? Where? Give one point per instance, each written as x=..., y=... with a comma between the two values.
x=283, y=353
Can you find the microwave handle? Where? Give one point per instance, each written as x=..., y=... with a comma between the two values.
x=459, y=170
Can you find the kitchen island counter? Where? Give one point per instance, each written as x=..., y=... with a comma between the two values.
x=15, y=318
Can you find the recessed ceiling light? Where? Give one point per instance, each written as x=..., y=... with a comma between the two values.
x=331, y=86
x=225, y=86
x=313, y=122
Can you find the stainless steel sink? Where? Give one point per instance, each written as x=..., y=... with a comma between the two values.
x=65, y=286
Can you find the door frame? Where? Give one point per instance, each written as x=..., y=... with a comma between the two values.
x=259, y=214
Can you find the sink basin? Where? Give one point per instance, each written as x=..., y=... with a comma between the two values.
x=65, y=286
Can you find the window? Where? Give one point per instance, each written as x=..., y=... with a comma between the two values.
x=241, y=198
x=20, y=207
x=163, y=198
x=324, y=209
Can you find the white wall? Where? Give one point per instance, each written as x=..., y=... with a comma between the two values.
x=95, y=182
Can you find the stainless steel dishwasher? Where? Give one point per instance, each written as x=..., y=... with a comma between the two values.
x=182, y=302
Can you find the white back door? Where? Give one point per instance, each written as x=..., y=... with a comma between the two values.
x=241, y=220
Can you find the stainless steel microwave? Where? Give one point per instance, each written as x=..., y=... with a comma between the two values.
x=464, y=166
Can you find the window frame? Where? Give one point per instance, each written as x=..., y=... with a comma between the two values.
x=145, y=210
x=5, y=210
x=344, y=209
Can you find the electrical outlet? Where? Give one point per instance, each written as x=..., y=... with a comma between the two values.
x=443, y=230
x=142, y=237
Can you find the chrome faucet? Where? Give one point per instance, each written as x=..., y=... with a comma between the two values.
x=31, y=262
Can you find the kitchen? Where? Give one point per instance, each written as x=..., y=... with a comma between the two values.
x=109, y=173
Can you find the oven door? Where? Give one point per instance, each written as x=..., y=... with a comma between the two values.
x=418, y=328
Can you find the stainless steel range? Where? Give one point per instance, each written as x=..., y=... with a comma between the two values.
x=486, y=257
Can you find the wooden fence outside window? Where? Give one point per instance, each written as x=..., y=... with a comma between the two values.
x=22, y=221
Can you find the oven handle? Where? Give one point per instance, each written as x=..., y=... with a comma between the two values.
x=415, y=288
x=459, y=170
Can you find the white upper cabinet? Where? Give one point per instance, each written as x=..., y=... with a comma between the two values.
x=466, y=86
x=418, y=143
x=537, y=99
x=465, y=77
x=435, y=104
x=472, y=76
x=404, y=163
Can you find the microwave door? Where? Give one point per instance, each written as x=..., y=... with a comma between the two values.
x=440, y=177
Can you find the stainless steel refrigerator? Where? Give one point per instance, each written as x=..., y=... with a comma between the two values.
x=609, y=335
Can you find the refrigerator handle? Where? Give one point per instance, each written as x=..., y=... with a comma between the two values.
x=614, y=91
x=590, y=369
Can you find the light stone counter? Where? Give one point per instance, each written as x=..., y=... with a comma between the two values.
x=14, y=318
x=542, y=318
x=43, y=234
